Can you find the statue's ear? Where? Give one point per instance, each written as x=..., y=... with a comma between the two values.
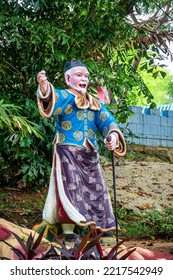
x=67, y=77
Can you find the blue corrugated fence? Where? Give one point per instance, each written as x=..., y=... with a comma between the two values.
x=153, y=127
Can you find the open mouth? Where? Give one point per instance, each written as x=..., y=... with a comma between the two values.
x=82, y=85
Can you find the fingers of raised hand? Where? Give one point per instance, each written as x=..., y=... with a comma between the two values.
x=41, y=77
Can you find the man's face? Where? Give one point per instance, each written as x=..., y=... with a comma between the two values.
x=78, y=78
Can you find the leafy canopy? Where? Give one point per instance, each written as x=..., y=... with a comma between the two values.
x=108, y=36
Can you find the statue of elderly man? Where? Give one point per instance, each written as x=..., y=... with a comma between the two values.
x=77, y=192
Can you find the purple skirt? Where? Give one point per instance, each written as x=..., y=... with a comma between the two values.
x=84, y=188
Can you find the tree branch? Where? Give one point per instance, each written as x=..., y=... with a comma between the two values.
x=165, y=16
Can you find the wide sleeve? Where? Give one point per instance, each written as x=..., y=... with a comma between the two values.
x=106, y=124
x=120, y=151
x=46, y=103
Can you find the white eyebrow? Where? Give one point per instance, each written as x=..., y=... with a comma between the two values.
x=81, y=72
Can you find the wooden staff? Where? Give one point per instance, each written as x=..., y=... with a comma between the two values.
x=114, y=188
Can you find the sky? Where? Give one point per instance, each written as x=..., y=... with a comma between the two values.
x=169, y=65
x=168, y=61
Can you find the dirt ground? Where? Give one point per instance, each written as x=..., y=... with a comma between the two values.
x=141, y=183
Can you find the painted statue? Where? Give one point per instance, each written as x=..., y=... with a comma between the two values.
x=77, y=192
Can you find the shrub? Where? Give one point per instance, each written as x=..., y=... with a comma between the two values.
x=89, y=248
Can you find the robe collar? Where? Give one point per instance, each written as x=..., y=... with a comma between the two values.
x=85, y=101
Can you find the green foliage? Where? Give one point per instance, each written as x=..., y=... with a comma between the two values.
x=152, y=224
x=21, y=151
x=158, y=81
x=12, y=120
x=161, y=222
x=170, y=90
x=45, y=34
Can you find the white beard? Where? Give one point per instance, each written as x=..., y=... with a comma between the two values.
x=83, y=90
x=79, y=89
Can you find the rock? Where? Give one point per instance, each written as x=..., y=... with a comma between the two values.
x=6, y=234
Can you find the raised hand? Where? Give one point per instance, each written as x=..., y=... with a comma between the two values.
x=42, y=80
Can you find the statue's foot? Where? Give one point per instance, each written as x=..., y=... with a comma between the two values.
x=108, y=234
x=70, y=237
